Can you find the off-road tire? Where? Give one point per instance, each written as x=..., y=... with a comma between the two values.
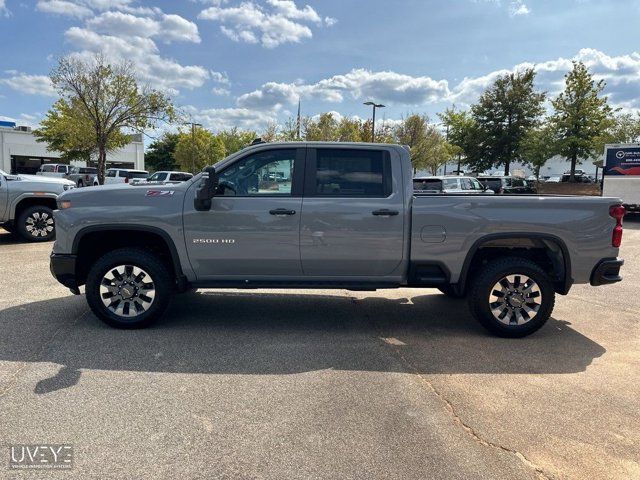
x=29, y=214
x=482, y=287
x=155, y=269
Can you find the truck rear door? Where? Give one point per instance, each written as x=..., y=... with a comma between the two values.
x=353, y=212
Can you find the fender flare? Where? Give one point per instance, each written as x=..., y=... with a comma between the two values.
x=28, y=195
x=565, y=284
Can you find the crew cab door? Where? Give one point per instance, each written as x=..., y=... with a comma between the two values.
x=253, y=226
x=352, y=213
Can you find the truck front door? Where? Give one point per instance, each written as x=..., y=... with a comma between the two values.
x=253, y=227
x=352, y=213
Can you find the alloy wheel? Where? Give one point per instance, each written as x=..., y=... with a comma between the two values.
x=515, y=299
x=127, y=290
x=39, y=224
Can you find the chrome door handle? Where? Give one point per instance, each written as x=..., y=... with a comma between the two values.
x=281, y=212
x=385, y=213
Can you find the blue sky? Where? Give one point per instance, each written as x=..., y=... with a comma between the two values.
x=246, y=62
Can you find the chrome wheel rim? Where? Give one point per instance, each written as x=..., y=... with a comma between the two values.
x=515, y=299
x=39, y=224
x=127, y=290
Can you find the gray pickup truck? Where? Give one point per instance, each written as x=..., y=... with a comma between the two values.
x=330, y=215
x=27, y=203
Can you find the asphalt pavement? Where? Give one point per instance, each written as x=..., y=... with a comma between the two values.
x=319, y=384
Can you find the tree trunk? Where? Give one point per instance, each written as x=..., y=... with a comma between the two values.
x=507, y=164
x=574, y=161
x=102, y=163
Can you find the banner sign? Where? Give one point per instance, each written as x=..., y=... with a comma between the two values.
x=623, y=161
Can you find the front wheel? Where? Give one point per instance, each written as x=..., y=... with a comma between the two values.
x=129, y=288
x=36, y=224
x=512, y=297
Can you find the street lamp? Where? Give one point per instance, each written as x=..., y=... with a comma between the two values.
x=373, y=127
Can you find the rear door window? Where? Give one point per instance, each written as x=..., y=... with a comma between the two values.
x=352, y=173
x=433, y=184
x=111, y=173
x=451, y=184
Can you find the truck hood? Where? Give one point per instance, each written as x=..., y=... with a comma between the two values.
x=126, y=195
x=43, y=179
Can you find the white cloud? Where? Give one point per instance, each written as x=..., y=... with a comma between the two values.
x=518, y=7
x=272, y=24
x=218, y=119
x=160, y=72
x=358, y=84
x=63, y=7
x=168, y=27
x=29, y=84
x=4, y=11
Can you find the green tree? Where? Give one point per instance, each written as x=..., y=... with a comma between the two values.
x=462, y=134
x=437, y=150
x=624, y=128
x=505, y=112
x=159, y=155
x=324, y=129
x=412, y=131
x=538, y=147
x=349, y=130
x=581, y=116
x=235, y=139
x=97, y=102
x=289, y=131
x=197, y=149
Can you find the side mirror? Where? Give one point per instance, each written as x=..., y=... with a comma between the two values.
x=206, y=191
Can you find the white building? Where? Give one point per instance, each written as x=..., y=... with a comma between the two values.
x=21, y=153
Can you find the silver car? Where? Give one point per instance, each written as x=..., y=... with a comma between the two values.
x=449, y=184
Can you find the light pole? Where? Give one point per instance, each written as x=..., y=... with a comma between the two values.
x=193, y=144
x=373, y=126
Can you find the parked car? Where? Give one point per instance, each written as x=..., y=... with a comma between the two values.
x=507, y=184
x=164, y=177
x=579, y=178
x=349, y=219
x=554, y=179
x=83, y=176
x=54, y=170
x=449, y=184
x=27, y=203
x=124, y=175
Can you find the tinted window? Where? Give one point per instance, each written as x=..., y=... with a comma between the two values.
x=352, y=173
x=47, y=168
x=158, y=177
x=517, y=182
x=89, y=170
x=111, y=173
x=450, y=183
x=136, y=174
x=494, y=184
x=428, y=184
x=264, y=173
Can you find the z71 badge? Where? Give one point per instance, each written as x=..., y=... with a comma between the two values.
x=160, y=193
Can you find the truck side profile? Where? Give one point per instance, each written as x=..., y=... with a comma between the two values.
x=27, y=203
x=330, y=215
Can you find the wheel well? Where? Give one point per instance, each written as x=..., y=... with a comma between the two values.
x=30, y=202
x=548, y=253
x=95, y=244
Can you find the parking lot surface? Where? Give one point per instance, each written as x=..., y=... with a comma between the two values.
x=320, y=384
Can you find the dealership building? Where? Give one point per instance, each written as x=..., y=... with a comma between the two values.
x=21, y=153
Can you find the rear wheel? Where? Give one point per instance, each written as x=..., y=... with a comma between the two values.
x=512, y=297
x=36, y=224
x=129, y=288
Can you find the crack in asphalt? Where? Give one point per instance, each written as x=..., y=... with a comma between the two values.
x=411, y=368
x=13, y=380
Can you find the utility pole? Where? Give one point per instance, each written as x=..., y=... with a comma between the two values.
x=193, y=144
x=299, y=122
x=373, y=126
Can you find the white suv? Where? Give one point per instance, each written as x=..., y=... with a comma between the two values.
x=124, y=175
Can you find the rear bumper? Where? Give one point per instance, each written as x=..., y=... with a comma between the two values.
x=607, y=271
x=63, y=268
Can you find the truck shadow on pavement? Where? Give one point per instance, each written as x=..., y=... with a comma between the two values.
x=214, y=332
